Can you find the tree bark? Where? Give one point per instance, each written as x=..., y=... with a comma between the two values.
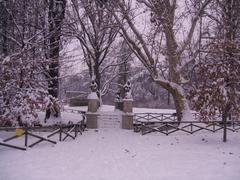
x=55, y=18
x=97, y=75
x=179, y=99
x=179, y=105
x=225, y=114
x=4, y=28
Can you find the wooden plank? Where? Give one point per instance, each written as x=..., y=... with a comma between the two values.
x=13, y=146
x=67, y=135
x=43, y=138
x=11, y=138
x=37, y=142
x=53, y=133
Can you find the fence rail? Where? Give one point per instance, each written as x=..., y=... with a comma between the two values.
x=62, y=131
x=167, y=123
x=155, y=117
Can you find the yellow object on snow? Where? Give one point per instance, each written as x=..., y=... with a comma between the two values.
x=19, y=132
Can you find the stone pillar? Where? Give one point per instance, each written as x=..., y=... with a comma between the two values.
x=127, y=121
x=93, y=104
x=92, y=122
x=128, y=105
x=127, y=118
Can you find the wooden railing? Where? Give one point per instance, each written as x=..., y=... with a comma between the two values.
x=167, y=123
x=155, y=117
x=62, y=131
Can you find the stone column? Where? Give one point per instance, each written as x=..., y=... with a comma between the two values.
x=93, y=104
x=127, y=118
x=128, y=105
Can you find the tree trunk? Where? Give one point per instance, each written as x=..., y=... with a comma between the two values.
x=179, y=105
x=4, y=27
x=224, y=121
x=229, y=36
x=55, y=18
x=179, y=98
x=97, y=76
x=225, y=114
x=174, y=76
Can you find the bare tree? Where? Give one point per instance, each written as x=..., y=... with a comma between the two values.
x=124, y=61
x=96, y=31
x=160, y=49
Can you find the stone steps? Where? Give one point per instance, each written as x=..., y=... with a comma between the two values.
x=109, y=120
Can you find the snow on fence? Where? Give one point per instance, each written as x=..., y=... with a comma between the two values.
x=62, y=131
x=167, y=123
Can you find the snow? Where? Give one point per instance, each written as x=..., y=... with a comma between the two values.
x=80, y=108
x=187, y=113
x=64, y=119
x=92, y=95
x=6, y=59
x=116, y=154
x=123, y=154
x=128, y=98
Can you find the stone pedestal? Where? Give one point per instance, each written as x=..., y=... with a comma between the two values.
x=127, y=121
x=93, y=105
x=92, y=122
x=128, y=105
x=93, y=102
x=127, y=117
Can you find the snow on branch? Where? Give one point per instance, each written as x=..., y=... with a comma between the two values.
x=193, y=26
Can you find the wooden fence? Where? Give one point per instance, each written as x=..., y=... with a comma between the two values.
x=62, y=131
x=167, y=123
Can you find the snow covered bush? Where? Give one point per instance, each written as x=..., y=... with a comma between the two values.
x=21, y=90
x=28, y=57
x=218, y=87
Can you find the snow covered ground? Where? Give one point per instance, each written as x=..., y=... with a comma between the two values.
x=65, y=118
x=107, y=154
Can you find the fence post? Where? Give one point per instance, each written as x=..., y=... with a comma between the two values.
x=75, y=130
x=60, y=133
x=167, y=128
x=26, y=137
x=191, y=127
x=224, y=120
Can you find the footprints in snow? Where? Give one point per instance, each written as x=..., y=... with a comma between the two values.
x=128, y=152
